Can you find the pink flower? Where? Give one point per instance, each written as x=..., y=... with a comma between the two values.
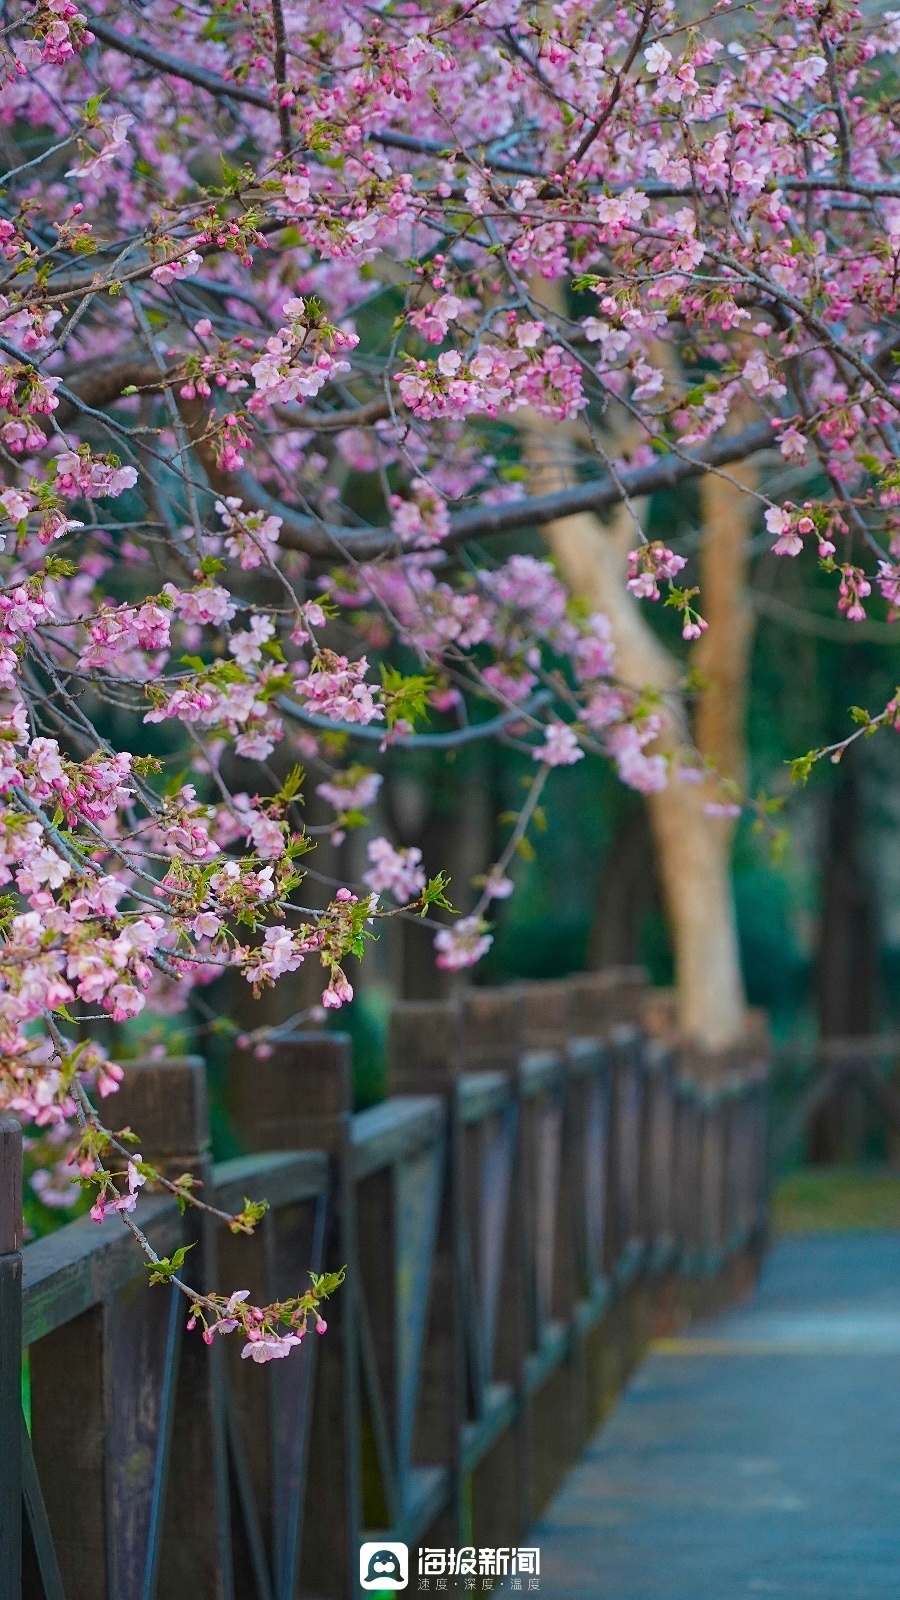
x=16, y=505
x=760, y=379
x=395, y=872
x=186, y=267
x=560, y=747
x=338, y=993
x=116, y=133
x=424, y=520
x=694, y=626
x=246, y=647
x=789, y=542
x=352, y=790
x=270, y=1347
x=658, y=59
x=854, y=588
x=648, y=565
x=647, y=774
x=463, y=944
x=335, y=688
x=497, y=886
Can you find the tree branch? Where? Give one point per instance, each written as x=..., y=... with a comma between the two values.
x=421, y=741
x=324, y=541
x=600, y=122
x=177, y=67
x=602, y=493
x=100, y=381
x=361, y=416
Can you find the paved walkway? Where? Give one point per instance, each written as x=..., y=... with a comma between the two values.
x=760, y=1455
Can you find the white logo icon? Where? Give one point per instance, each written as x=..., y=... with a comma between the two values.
x=384, y=1565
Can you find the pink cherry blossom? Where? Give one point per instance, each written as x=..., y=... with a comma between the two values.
x=396, y=872
x=463, y=944
x=560, y=747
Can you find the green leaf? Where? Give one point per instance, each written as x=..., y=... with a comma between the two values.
x=291, y=786
x=164, y=1270
x=405, y=697
x=801, y=766
x=246, y=1220
x=145, y=765
x=434, y=894
x=223, y=1027
x=778, y=846
x=695, y=682
x=325, y=1283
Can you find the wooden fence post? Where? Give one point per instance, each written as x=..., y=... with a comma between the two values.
x=434, y=1048
x=601, y=1000
x=300, y=1097
x=165, y=1103
x=127, y=1422
x=426, y=1056
x=659, y=1193
x=493, y=1041
x=10, y=1359
x=547, y=1013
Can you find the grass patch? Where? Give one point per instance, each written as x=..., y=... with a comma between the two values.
x=836, y=1200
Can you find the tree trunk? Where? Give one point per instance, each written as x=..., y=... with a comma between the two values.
x=629, y=893
x=693, y=849
x=449, y=816
x=847, y=964
x=722, y=655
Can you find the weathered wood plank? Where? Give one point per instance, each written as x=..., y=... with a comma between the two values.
x=193, y=1552
x=281, y=1177
x=68, y=1437
x=87, y=1262
x=394, y=1130
x=481, y=1094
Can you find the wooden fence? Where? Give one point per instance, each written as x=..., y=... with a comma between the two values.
x=849, y=1094
x=544, y=1188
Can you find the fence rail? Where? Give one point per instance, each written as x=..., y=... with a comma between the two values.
x=543, y=1188
x=835, y=1100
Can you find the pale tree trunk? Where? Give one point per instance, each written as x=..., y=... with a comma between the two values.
x=693, y=849
x=722, y=655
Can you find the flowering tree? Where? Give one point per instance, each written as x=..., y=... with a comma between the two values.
x=282, y=282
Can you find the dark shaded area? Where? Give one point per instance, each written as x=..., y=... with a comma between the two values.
x=847, y=975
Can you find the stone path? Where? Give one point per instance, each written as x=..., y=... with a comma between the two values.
x=759, y=1455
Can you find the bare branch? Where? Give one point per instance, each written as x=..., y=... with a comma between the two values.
x=177, y=67
x=473, y=734
x=326, y=541
x=361, y=416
